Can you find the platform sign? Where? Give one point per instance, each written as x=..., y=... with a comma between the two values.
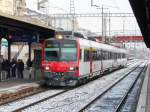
x=24, y=38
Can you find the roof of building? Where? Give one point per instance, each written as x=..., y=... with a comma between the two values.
x=141, y=9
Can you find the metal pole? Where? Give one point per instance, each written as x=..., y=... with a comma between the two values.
x=38, y=5
x=9, y=50
x=91, y=3
x=72, y=12
x=109, y=24
x=0, y=45
x=102, y=25
x=38, y=37
x=73, y=26
x=105, y=28
x=123, y=26
x=29, y=45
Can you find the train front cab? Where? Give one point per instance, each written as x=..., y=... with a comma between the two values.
x=60, y=60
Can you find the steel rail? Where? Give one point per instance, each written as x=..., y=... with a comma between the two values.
x=119, y=106
x=108, y=89
x=39, y=101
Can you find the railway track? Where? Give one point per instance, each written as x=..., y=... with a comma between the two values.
x=18, y=105
x=133, y=94
x=30, y=101
x=11, y=97
x=64, y=101
x=112, y=105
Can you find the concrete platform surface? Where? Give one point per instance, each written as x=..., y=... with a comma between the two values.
x=15, y=85
x=144, y=99
x=11, y=90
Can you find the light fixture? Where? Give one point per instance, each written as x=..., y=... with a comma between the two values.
x=47, y=68
x=60, y=37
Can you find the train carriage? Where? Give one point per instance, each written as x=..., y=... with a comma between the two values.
x=67, y=61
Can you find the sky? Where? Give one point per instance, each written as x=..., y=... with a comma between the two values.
x=94, y=24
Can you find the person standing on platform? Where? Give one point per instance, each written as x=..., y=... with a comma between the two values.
x=7, y=68
x=29, y=67
x=13, y=68
x=3, y=69
x=20, y=68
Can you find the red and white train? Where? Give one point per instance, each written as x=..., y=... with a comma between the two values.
x=67, y=61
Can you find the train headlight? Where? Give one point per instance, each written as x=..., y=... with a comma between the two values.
x=72, y=68
x=47, y=68
x=59, y=37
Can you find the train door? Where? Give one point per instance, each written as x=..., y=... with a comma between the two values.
x=91, y=64
x=102, y=57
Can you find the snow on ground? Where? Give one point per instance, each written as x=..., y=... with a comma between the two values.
x=28, y=100
x=74, y=100
x=109, y=101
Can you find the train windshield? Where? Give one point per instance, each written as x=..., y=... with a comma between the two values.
x=51, y=54
x=68, y=54
x=64, y=50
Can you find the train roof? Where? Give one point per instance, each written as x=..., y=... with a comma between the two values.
x=69, y=33
x=97, y=45
x=89, y=42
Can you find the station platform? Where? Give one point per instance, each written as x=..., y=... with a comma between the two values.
x=5, y=85
x=14, y=89
x=144, y=99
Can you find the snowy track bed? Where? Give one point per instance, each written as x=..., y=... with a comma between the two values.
x=114, y=98
x=28, y=100
x=74, y=100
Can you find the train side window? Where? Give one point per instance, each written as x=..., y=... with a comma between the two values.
x=103, y=57
x=109, y=55
x=115, y=55
x=86, y=55
x=98, y=55
x=118, y=55
x=93, y=55
x=106, y=55
x=122, y=55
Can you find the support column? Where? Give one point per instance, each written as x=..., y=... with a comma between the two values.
x=0, y=45
x=9, y=50
x=29, y=44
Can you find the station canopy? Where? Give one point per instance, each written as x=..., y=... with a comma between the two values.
x=17, y=29
x=141, y=9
